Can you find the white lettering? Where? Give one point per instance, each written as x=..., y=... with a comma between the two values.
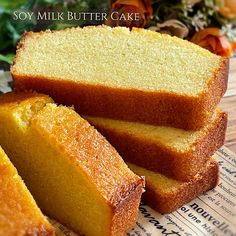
x=42, y=16
x=22, y=15
x=115, y=15
x=15, y=15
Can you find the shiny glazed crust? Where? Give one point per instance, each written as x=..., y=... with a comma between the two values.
x=157, y=108
x=169, y=202
x=154, y=156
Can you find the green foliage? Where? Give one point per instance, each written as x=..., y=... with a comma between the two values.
x=11, y=29
x=6, y=4
x=7, y=58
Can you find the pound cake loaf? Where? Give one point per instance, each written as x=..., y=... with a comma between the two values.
x=74, y=174
x=177, y=153
x=19, y=214
x=165, y=195
x=140, y=76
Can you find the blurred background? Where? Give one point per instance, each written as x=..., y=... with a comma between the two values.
x=208, y=23
x=12, y=28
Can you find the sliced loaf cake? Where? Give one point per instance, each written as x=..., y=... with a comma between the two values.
x=139, y=76
x=174, y=152
x=74, y=174
x=19, y=214
x=166, y=195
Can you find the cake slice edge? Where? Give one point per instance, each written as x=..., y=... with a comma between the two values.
x=154, y=155
x=179, y=193
x=27, y=223
x=157, y=108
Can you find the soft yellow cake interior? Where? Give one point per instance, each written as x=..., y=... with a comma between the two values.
x=66, y=164
x=19, y=214
x=166, y=195
x=162, y=184
x=116, y=57
x=174, y=138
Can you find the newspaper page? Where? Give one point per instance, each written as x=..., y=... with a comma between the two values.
x=211, y=214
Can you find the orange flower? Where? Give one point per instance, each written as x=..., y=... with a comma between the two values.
x=233, y=44
x=227, y=8
x=130, y=13
x=213, y=40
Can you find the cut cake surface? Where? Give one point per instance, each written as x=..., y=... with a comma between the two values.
x=19, y=214
x=174, y=152
x=74, y=174
x=166, y=195
x=111, y=72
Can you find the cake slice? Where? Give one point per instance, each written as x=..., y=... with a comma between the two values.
x=140, y=76
x=177, y=153
x=74, y=174
x=19, y=214
x=165, y=195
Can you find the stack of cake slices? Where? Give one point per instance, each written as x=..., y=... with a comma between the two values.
x=153, y=96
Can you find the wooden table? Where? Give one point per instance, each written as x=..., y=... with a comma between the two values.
x=228, y=104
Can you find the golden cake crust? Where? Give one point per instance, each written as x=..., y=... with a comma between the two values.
x=157, y=108
x=12, y=101
x=124, y=213
x=169, y=201
x=19, y=213
x=97, y=156
x=154, y=156
x=87, y=152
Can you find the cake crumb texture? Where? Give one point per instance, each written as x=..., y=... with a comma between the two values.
x=179, y=154
x=19, y=214
x=166, y=195
x=111, y=72
x=74, y=174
